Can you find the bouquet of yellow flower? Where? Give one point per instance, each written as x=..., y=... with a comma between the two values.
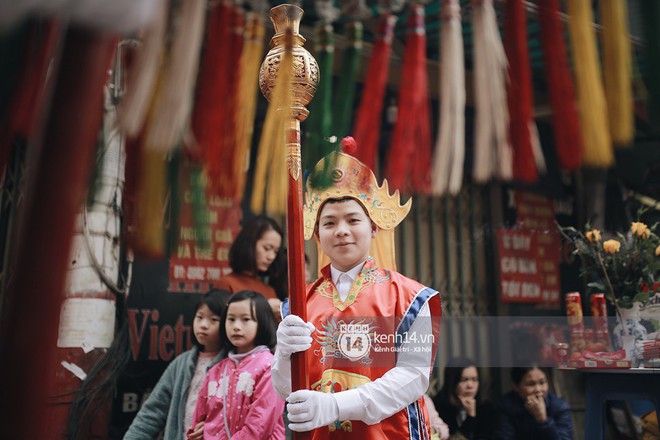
x=626, y=267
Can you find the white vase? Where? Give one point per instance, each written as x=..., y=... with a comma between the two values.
x=632, y=327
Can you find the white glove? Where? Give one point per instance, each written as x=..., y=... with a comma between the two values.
x=311, y=409
x=293, y=335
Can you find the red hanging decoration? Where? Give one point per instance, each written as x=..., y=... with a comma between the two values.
x=410, y=148
x=214, y=115
x=523, y=128
x=566, y=121
x=367, y=124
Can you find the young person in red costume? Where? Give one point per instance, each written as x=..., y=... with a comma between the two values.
x=372, y=332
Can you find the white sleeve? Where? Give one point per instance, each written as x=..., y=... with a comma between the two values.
x=399, y=387
x=280, y=375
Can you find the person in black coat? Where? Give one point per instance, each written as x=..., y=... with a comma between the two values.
x=531, y=411
x=460, y=405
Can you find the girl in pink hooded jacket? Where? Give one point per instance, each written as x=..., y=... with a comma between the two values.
x=237, y=400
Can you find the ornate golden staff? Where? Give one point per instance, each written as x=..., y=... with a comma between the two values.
x=286, y=19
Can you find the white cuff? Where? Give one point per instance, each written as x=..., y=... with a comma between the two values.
x=280, y=375
x=349, y=405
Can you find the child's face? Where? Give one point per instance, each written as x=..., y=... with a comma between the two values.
x=266, y=249
x=345, y=232
x=206, y=327
x=240, y=326
x=534, y=383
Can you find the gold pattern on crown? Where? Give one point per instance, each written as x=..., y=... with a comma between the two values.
x=354, y=179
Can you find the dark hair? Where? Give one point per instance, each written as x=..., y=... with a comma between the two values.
x=517, y=373
x=332, y=201
x=216, y=301
x=261, y=312
x=243, y=259
x=452, y=377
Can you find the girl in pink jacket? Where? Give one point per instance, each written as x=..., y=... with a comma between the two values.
x=237, y=400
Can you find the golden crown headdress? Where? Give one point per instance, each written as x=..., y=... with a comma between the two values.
x=352, y=178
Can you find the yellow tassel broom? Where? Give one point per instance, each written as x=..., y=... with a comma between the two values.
x=617, y=70
x=591, y=98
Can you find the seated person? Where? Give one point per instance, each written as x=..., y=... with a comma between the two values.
x=460, y=405
x=531, y=411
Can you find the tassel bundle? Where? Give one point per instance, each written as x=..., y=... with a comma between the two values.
x=368, y=119
x=566, y=122
x=143, y=74
x=350, y=68
x=250, y=62
x=270, y=176
x=617, y=71
x=527, y=155
x=151, y=192
x=450, y=146
x=591, y=98
x=165, y=122
x=409, y=155
x=319, y=123
x=214, y=124
x=492, y=149
x=173, y=100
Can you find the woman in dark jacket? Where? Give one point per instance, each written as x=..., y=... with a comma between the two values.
x=531, y=411
x=459, y=402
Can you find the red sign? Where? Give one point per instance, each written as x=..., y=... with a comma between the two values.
x=534, y=212
x=201, y=257
x=537, y=213
x=520, y=275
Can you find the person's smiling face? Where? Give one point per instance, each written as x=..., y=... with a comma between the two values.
x=345, y=232
x=534, y=383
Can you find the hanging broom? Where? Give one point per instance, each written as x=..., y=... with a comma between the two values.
x=214, y=124
x=247, y=97
x=319, y=122
x=409, y=155
x=175, y=96
x=450, y=145
x=566, y=122
x=617, y=68
x=350, y=68
x=368, y=119
x=143, y=74
x=164, y=126
x=146, y=183
x=527, y=155
x=591, y=99
x=492, y=149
